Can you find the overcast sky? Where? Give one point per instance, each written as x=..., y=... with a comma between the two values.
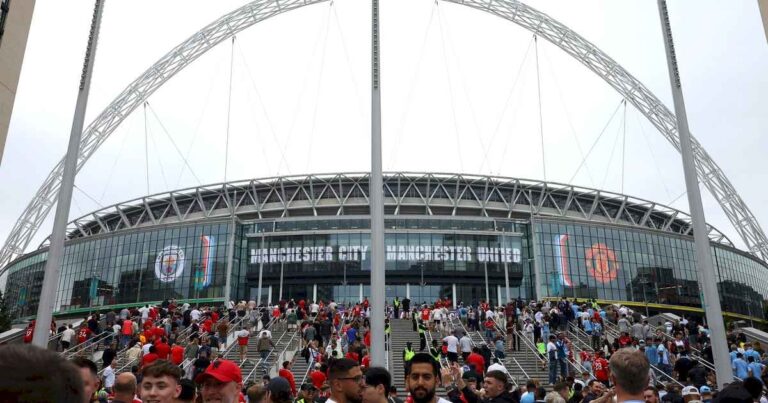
x=459, y=95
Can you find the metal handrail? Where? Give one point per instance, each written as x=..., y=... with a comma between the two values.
x=532, y=348
x=510, y=377
x=235, y=324
x=257, y=365
x=93, y=341
x=521, y=369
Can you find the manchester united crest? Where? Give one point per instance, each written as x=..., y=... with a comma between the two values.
x=601, y=263
x=169, y=264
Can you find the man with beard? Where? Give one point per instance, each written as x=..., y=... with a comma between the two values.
x=421, y=377
x=346, y=380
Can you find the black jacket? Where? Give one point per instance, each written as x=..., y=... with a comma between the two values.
x=504, y=397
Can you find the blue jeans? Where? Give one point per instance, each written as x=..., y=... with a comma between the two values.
x=552, y=371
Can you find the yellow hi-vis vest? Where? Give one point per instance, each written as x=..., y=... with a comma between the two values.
x=409, y=354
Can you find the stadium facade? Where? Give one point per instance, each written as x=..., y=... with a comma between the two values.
x=464, y=237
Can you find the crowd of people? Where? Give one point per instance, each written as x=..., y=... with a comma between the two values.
x=595, y=354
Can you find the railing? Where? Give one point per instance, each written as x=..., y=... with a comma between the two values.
x=452, y=317
x=261, y=362
x=82, y=348
x=521, y=369
x=233, y=326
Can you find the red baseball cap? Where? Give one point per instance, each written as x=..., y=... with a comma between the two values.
x=223, y=371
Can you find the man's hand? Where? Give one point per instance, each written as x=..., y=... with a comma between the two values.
x=447, y=376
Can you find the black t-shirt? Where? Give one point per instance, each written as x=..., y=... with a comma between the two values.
x=682, y=366
x=698, y=375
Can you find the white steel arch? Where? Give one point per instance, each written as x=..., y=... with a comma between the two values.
x=512, y=10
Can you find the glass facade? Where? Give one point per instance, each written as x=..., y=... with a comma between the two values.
x=466, y=258
x=184, y=262
x=430, y=262
x=623, y=264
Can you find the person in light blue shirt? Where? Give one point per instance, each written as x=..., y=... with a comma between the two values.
x=733, y=353
x=740, y=367
x=755, y=368
x=751, y=353
x=588, y=327
x=652, y=352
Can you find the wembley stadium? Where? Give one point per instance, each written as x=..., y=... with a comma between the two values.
x=463, y=237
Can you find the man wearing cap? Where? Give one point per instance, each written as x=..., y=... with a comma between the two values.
x=221, y=382
x=279, y=390
x=307, y=394
x=706, y=394
x=318, y=376
x=691, y=394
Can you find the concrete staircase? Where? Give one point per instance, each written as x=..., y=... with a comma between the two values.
x=402, y=332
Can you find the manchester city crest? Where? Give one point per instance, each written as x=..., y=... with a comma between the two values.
x=169, y=263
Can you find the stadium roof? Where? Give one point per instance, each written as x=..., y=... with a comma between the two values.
x=406, y=193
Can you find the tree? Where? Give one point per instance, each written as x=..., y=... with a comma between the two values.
x=5, y=318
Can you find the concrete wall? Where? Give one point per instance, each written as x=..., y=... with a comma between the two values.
x=12, y=46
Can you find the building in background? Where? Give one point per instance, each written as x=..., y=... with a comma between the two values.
x=15, y=19
x=463, y=237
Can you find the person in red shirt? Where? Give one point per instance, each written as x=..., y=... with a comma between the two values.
x=366, y=361
x=286, y=373
x=476, y=359
x=83, y=334
x=367, y=339
x=353, y=356
x=425, y=314
x=162, y=348
x=600, y=367
x=206, y=325
x=365, y=303
x=177, y=354
x=29, y=332
x=317, y=376
x=158, y=332
x=214, y=316
x=356, y=311
x=150, y=357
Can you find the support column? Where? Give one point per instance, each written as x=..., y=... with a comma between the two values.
x=498, y=295
x=280, y=294
x=455, y=298
x=487, y=291
x=261, y=272
x=506, y=273
x=537, y=282
x=376, y=194
x=230, y=258
x=408, y=290
x=269, y=296
x=314, y=292
x=59, y=233
x=361, y=293
x=706, y=270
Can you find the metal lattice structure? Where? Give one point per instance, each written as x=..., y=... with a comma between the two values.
x=405, y=193
x=539, y=23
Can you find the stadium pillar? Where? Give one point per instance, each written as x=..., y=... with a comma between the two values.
x=487, y=291
x=230, y=259
x=408, y=290
x=455, y=299
x=261, y=271
x=58, y=235
x=506, y=273
x=378, y=281
x=280, y=294
x=706, y=271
